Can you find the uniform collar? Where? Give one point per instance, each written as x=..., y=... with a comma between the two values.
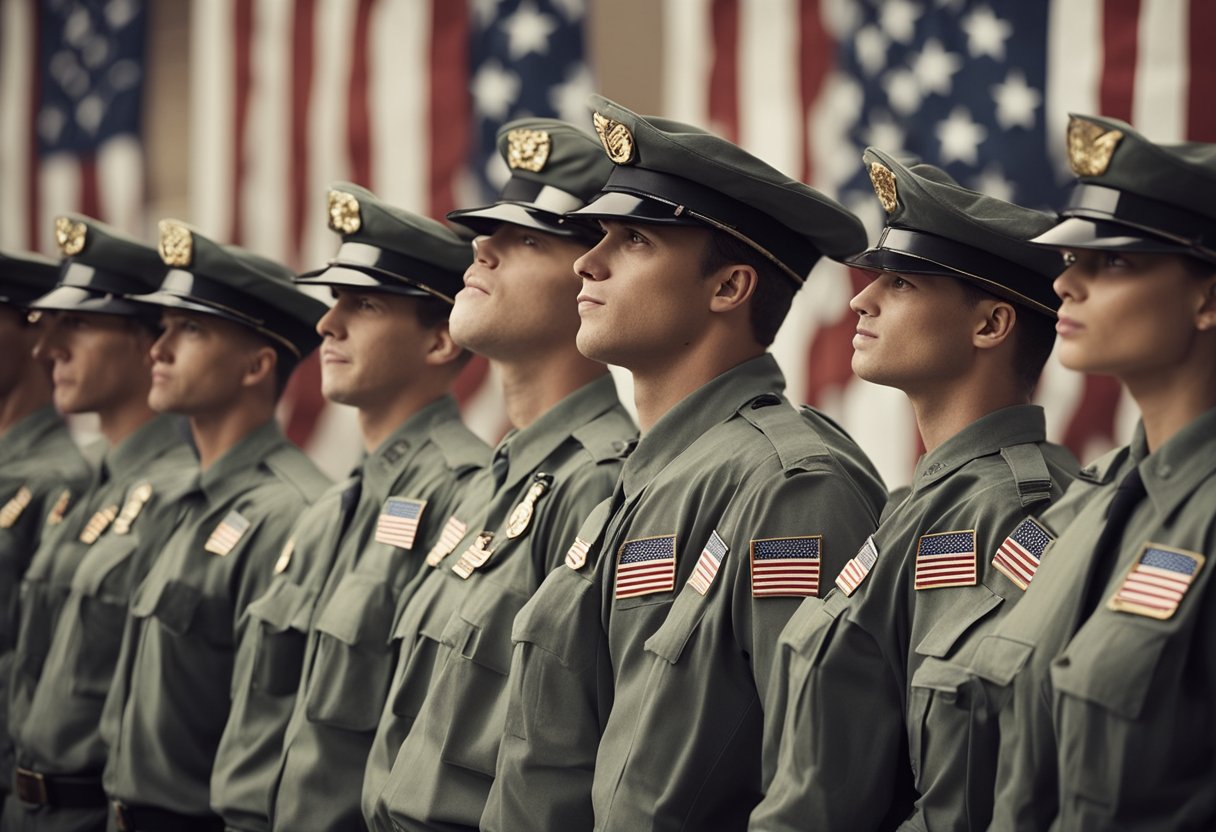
x=1172, y=472
x=385, y=464
x=700, y=410
x=1017, y=425
x=224, y=477
x=530, y=447
x=28, y=433
x=128, y=458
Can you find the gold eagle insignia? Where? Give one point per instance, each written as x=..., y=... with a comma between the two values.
x=70, y=236
x=1090, y=146
x=615, y=137
x=176, y=244
x=344, y=214
x=883, y=181
x=528, y=150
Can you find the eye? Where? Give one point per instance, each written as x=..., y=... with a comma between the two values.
x=898, y=282
x=365, y=303
x=635, y=238
x=191, y=327
x=1111, y=260
x=529, y=240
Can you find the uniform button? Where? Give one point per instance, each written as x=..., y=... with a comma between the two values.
x=1164, y=471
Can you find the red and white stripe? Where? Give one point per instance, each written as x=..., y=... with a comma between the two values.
x=1153, y=587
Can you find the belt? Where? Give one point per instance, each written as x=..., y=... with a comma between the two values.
x=150, y=819
x=37, y=789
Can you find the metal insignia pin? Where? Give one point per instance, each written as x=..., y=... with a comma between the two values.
x=521, y=516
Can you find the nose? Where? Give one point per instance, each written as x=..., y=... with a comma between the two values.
x=1068, y=285
x=590, y=264
x=329, y=325
x=160, y=351
x=865, y=301
x=49, y=345
x=484, y=251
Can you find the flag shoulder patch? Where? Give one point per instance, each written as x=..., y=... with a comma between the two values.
x=946, y=559
x=1017, y=558
x=708, y=563
x=786, y=566
x=1157, y=582
x=398, y=522
x=856, y=570
x=646, y=565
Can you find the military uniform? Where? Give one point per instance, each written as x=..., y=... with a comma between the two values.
x=869, y=732
x=353, y=550
x=435, y=748
x=75, y=592
x=1104, y=675
x=169, y=698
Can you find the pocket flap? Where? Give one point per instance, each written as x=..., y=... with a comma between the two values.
x=359, y=611
x=176, y=605
x=940, y=675
x=940, y=640
x=103, y=556
x=566, y=597
x=999, y=659
x=685, y=614
x=1113, y=666
x=488, y=640
x=284, y=606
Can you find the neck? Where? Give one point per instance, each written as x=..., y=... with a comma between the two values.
x=31, y=393
x=1170, y=402
x=530, y=387
x=377, y=423
x=216, y=434
x=656, y=390
x=119, y=422
x=943, y=413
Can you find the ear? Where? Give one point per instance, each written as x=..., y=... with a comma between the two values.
x=733, y=287
x=1205, y=317
x=996, y=320
x=441, y=349
x=260, y=366
x=145, y=339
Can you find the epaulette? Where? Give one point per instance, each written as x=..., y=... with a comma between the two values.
x=292, y=466
x=603, y=437
x=1102, y=470
x=1029, y=471
x=459, y=448
x=796, y=445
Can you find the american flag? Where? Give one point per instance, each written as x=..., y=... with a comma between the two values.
x=227, y=534
x=576, y=555
x=1018, y=556
x=855, y=570
x=398, y=522
x=946, y=559
x=1157, y=582
x=706, y=570
x=452, y=534
x=786, y=566
x=646, y=566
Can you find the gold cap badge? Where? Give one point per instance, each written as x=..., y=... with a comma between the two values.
x=615, y=137
x=176, y=244
x=528, y=150
x=69, y=236
x=884, y=185
x=344, y=212
x=1090, y=146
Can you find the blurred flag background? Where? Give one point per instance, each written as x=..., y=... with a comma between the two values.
x=235, y=115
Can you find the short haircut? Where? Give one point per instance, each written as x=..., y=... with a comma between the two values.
x=1034, y=335
x=774, y=293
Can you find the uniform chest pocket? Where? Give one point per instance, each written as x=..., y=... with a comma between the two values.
x=96, y=645
x=1112, y=665
x=280, y=629
x=669, y=640
x=183, y=610
x=942, y=638
x=107, y=568
x=350, y=675
x=484, y=636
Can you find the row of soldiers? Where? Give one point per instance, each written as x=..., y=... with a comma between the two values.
x=726, y=623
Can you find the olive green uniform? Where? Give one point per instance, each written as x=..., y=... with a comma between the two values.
x=60, y=738
x=435, y=749
x=169, y=699
x=1107, y=717
x=864, y=663
x=38, y=463
x=690, y=653
x=334, y=554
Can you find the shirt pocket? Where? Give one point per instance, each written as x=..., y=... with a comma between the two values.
x=182, y=610
x=280, y=630
x=101, y=614
x=669, y=640
x=350, y=675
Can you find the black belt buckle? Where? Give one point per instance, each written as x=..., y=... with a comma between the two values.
x=122, y=817
x=31, y=787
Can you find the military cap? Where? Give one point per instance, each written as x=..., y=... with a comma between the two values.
x=555, y=168
x=1135, y=195
x=237, y=285
x=101, y=269
x=936, y=226
x=25, y=276
x=673, y=173
x=389, y=249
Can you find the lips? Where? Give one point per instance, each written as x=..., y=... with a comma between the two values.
x=864, y=333
x=475, y=284
x=1066, y=326
x=585, y=301
x=332, y=356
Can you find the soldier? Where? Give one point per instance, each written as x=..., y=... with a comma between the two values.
x=440, y=730
x=958, y=317
x=235, y=327
x=1107, y=669
x=386, y=352
x=38, y=459
x=75, y=592
x=732, y=509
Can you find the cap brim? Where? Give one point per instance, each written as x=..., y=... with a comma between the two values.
x=486, y=219
x=342, y=275
x=77, y=299
x=1076, y=232
x=616, y=205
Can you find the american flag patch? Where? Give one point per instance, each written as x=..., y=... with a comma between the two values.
x=855, y=570
x=646, y=566
x=453, y=533
x=227, y=534
x=786, y=566
x=398, y=522
x=1018, y=557
x=1157, y=582
x=706, y=570
x=576, y=555
x=946, y=559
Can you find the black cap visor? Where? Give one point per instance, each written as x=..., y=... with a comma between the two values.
x=80, y=299
x=529, y=204
x=372, y=267
x=368, y=279
x=1075, y=232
